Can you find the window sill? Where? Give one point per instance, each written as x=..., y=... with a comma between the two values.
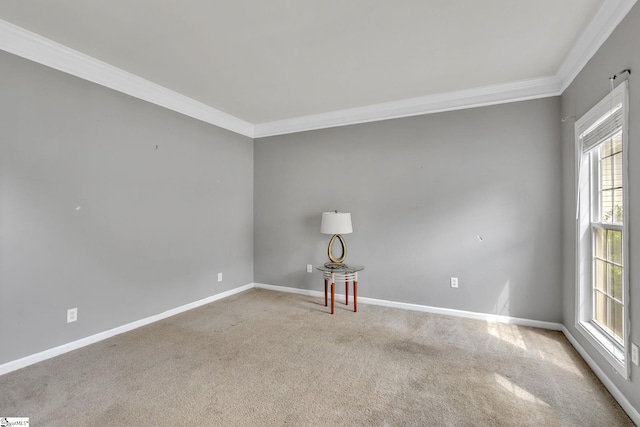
x=609, y=349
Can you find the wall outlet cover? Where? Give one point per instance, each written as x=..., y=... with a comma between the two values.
x=454, y=282
x=72, y=315
x=309, y=268
x=634, y=355
x=219, y=277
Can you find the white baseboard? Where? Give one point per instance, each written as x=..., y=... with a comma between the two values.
x=307, y=292
x=56, y=351
x=425, y=308
x=615, y=392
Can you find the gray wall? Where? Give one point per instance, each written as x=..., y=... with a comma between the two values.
x=592, y=84
x=93, y=216
x=421, y=190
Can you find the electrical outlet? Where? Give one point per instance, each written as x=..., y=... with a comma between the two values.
x=634, y=355
x=72, y=315
x=454, y=282
x=219, y=277
x=309, y=268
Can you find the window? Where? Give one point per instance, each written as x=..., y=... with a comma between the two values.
x=602, y=273
x=607, y=223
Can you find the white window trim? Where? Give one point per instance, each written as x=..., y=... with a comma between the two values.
x=616, y=355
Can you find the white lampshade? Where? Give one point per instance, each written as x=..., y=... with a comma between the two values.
x=336, y=223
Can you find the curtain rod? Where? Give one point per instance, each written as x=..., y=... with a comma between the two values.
x=615, y=76
x=611, y=79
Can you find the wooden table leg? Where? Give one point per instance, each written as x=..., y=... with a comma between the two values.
x=333, y=296
x=346, y=292
x=355, y=295
x=333, y=291
x=326, y=284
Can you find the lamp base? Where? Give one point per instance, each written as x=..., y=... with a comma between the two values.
x=336, y=262
x=335, y=265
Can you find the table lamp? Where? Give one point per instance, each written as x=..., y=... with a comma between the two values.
x=336, y=223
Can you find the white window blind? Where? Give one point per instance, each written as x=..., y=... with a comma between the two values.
x=605, y=128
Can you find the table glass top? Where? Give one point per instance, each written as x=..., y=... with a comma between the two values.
x=348, y=268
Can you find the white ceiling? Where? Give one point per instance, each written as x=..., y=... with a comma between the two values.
x=271, y=64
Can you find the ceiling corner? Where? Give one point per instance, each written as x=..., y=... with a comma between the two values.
x=28, y=45
x=541, y=87
x=610, y=14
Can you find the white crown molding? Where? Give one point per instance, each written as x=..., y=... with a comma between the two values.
x=606, y=19
x=31, y=46
x=24, y=43
x=541, y=87
x=610, y=14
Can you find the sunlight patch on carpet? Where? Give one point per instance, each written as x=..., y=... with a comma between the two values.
x=519, y=392
x=553, y=352
x=506, y=332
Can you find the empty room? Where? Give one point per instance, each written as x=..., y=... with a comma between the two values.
x=319, y=213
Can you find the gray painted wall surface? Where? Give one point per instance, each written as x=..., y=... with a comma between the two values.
x=421, y=190
x=93, y=216
x=620, y=51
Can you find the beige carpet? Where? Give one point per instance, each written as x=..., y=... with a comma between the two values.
x=264, y=358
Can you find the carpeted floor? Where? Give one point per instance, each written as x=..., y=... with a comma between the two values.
x=265, y=358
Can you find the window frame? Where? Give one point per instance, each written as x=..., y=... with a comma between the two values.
x=587, y=196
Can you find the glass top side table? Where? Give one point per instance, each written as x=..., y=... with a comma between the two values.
x=347, y=273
